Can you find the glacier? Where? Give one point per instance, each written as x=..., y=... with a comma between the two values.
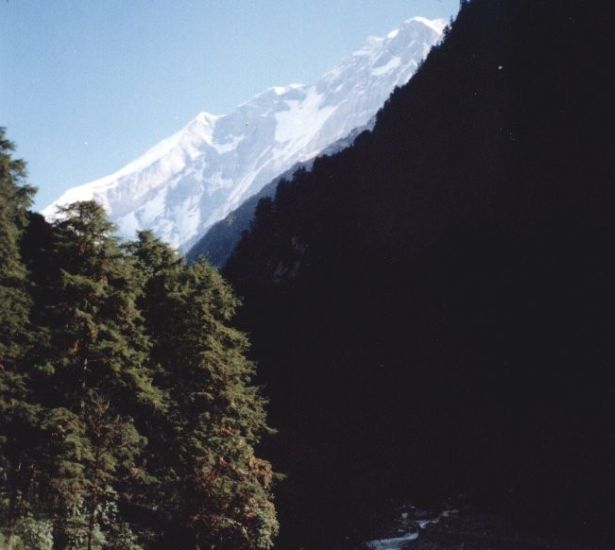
x=189, y=181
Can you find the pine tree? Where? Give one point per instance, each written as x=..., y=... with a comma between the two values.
x=226, y=489
x=96, y=378
x=17, y=416
x=161, y=302
x=109, y=410
x=217, y=492
x=15, y=198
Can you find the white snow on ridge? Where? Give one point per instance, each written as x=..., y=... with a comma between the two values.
x=438, y=25
x=303, y=119
x=189, y=181
x=188, y=140
x=391, y=65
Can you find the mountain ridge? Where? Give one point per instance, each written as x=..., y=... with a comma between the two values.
x=184, y=184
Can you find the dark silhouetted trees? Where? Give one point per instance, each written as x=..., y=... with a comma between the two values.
x=431, y=308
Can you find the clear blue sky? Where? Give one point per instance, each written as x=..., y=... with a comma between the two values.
x=88, y=85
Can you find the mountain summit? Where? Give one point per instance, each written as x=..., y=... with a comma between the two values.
x=187, y=182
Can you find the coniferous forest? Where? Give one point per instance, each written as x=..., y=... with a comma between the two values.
x=426, y=315
x=128, y=413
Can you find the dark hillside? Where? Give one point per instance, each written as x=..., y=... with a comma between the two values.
x=217, y=245
x=432, y=308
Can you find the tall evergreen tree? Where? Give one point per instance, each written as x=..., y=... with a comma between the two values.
x=218, y=491
x=17, y=416
x=95, y=378
x=15, y=198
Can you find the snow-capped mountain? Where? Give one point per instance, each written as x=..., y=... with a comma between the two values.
x=187, y=182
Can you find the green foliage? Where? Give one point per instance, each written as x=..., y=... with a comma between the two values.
x=17, y=415
x=28, y=533
x=15, y=197
x=218, y=490
x=229, y=488
x=96, y=319
x=128, y=416
x=97, y=356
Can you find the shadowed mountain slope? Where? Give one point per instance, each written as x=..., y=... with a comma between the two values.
x=431, y=308
x=218, y=243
